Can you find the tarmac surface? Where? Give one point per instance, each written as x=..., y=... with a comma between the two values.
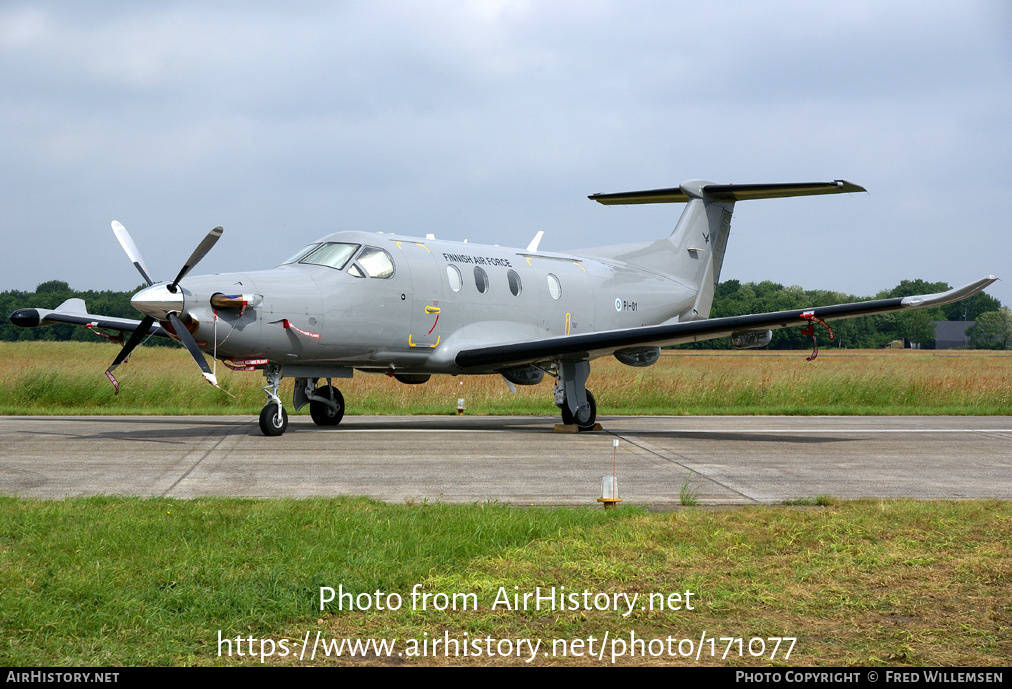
x=725, y=460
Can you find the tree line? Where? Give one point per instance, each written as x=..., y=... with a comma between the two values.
x=731, y=298
x=51, y=294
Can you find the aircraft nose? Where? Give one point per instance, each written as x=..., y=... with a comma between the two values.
x=157, y=301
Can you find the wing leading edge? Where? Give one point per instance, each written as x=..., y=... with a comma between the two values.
x=592, y=345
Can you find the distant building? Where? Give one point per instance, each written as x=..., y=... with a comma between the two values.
x=951, y=334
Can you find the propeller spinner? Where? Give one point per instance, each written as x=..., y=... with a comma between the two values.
x=162, y=302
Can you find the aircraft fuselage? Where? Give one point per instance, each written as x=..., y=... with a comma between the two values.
x=440, y=297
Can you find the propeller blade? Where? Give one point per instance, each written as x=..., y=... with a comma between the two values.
x=135, y=339
x=191, y=346
x=127, y=242
x=197, y=254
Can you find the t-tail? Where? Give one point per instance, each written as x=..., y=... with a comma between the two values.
x=694, y=252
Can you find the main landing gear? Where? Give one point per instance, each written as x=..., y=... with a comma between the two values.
x=326, y=403
x=326, y=406
x=575, y=401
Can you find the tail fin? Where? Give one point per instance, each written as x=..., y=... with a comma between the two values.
x=695, y=249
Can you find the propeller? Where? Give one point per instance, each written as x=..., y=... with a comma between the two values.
x=135, y=339
x=209, y=241
x=127, y=242
x=191, y=346
x=162, y=302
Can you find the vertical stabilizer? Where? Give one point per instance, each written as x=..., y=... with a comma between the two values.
x=698, y=244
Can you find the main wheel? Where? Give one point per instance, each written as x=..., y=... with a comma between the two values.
x=272, y=423
x=322, y=414
x=589, y=418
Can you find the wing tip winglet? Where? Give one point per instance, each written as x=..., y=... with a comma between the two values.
x=952, y=295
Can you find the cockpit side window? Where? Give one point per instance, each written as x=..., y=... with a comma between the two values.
x=330, y=254
x=376, y=263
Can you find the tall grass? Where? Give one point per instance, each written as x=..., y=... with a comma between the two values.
x=66, y=378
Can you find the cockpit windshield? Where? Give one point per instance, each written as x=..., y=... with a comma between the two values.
x=300, y=255
x=330, y=254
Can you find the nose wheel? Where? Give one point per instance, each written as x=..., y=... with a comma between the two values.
x=273, y=417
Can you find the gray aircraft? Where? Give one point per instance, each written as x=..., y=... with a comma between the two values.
x=412, y=307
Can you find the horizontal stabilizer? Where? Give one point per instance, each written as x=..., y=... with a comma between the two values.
x=726, y=192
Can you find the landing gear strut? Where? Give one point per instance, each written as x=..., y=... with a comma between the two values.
x=572, y=396
x=273, y=417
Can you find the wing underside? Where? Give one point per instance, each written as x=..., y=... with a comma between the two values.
x=593, y=345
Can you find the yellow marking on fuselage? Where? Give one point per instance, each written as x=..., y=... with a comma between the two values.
x=431, y=309
x=399, y=246
x=528, y=259
x=579, y=266
x=431, y=346
x=423, y=246
x=569, y=322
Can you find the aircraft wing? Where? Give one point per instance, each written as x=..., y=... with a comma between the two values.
x=592, y=345
x=75, y=312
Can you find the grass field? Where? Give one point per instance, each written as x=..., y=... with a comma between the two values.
x=66, y=378
x=106, y=581
x=122, y=581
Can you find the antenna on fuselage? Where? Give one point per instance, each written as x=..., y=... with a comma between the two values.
x=533, y=246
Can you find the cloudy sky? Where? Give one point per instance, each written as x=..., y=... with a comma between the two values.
x=490, y=121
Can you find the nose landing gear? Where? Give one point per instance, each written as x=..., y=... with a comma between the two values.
x=273, y=417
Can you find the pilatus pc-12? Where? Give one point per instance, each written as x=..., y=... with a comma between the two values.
x=413, y=307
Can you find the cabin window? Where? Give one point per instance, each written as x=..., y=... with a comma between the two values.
x=453, y=275
x=514, y=280
x=331, y=254
x=554, y=286
x=480, y=280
